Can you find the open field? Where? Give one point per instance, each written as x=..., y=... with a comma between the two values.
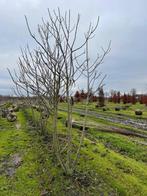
x=73, y=98
x=110, y=163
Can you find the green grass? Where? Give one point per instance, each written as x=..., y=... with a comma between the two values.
x=110, y=163
x=121, y=164
x=121, y=144
x=123, y=174
x=17, y=141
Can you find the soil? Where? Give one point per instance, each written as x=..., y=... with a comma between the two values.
x=10, y=164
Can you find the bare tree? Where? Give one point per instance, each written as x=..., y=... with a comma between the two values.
x=53, y=67
x=94, y=81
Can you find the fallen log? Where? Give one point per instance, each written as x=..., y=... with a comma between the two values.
x=123, y=132
x=97, y=127
x=76, y=125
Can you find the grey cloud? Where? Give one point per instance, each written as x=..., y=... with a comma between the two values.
x=124, y=22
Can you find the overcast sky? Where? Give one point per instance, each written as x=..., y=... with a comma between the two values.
x=121, y=21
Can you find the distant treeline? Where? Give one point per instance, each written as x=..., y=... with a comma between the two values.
x=81, y=95
x=128, y=98
x=115, y=97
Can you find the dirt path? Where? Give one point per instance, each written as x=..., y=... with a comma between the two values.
x=135, y=123
x=140, y=124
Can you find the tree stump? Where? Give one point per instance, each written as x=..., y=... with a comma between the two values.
x=138, y=112
x=77, y=125
x=117, y=108
x=11, y=117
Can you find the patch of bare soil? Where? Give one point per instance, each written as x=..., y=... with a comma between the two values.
x=136, y=123
x=18, y=126
x=9, y=165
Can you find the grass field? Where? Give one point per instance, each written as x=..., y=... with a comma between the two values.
x=109, y=163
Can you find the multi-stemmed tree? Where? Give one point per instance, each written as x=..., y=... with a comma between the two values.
x=52, y=68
